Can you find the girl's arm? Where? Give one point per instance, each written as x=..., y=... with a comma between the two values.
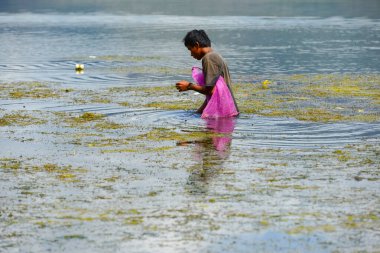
x=185, y=85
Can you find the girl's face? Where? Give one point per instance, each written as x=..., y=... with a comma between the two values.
x=196, y=52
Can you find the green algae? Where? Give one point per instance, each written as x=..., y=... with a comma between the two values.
x=100, y=100
x=126, y=104
x=77, y=218
x=126, y=58
x=160, y=97
x=143, y=91
x=344, y=86
x=317, y=98
x=13, y=235
x=32, y=90
x=41, y=224
x=241, y=215
x=311, y=229
x=106, y=142
x=134, y=220
x=10, y=163
x=35, y=93
x=271, y=167
x=20, y=119
x=145, y=143
x=97, y=121
x=88, y=116
x=356, y=221
x=294, y=186
x=180, y=105
x=65, y=173
x=152, y=194
x=82, y=119
x=134, y=211
x=251, y=98
x=308, y=114
x=122, y=150
x=211, y=200
x=75, y=236
x=136, y=150
x=130, y=217
x=151, y=70
x=308, y=98
x=342, y=156
x=165, y=134
x=369, y=117
x=264, y=223
x=109, y=125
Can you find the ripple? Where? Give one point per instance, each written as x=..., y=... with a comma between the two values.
x=257, y=131
x=62, y=72
x=281, y=132
x=246, y=131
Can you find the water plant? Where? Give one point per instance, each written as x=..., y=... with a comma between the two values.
x=20, y=119
x=32, y=90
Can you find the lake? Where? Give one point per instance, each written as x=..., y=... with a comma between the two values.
x=114, y=159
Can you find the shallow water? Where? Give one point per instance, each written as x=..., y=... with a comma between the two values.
x=141, y=179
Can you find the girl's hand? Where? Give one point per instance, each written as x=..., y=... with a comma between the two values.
x=183, y=85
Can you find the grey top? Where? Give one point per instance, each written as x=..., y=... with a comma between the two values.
x=213, y=66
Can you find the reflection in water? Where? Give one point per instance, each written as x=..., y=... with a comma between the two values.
x=210, y=153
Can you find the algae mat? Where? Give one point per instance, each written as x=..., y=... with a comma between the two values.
x=126, y=169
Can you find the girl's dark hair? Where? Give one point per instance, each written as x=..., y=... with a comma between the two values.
x=196, y=36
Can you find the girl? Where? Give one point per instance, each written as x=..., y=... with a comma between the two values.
x=213, y=80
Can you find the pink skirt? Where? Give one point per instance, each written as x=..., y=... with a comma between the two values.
x=220, y=103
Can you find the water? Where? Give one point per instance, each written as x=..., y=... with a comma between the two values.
x=46, y=43
x=168, y=181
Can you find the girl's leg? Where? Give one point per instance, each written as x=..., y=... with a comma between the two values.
x=203, y=106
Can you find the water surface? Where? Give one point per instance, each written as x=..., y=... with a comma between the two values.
x=140, y=179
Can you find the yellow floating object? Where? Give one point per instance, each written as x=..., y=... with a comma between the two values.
x=265, y=84
x=79, y=67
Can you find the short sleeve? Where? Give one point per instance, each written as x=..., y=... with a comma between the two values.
x=211, y=71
